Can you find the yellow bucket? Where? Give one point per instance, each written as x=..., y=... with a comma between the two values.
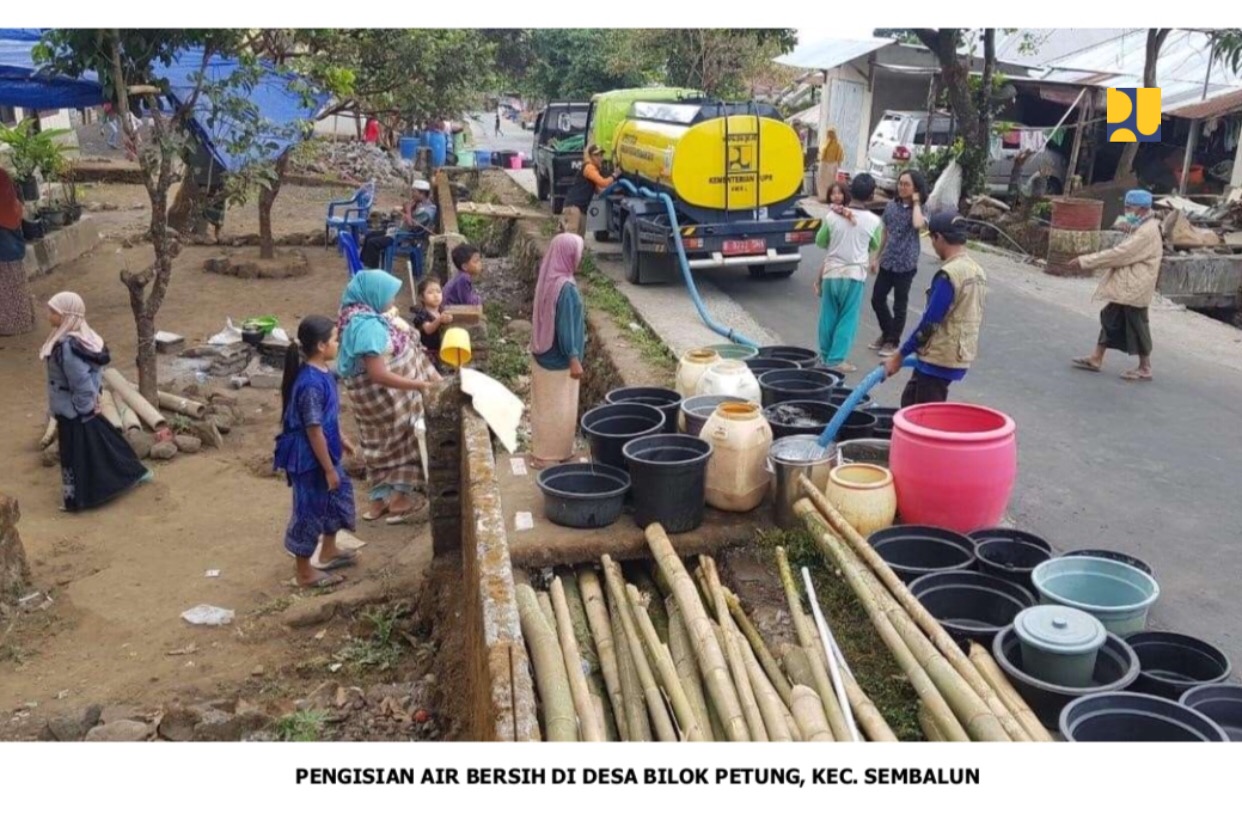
x=455, y=348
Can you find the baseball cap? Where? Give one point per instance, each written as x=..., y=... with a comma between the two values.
x=594, y=149
x=947, y=224
x=422, y=186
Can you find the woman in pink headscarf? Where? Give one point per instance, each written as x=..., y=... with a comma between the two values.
x=558, y=344
x=96, y=462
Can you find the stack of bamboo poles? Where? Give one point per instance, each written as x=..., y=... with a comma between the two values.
x=961, y=697
x=676, y=658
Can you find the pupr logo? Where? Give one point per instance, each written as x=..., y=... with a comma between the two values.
x=1133, y=115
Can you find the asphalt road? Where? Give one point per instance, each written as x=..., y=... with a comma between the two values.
x=1149, y=469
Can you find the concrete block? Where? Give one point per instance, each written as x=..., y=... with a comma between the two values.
x=61, y=246
x=1201, y=281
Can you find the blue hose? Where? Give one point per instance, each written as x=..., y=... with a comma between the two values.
x=874, y=377
x=731, y=334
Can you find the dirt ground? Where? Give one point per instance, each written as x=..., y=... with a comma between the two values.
x=121, y=576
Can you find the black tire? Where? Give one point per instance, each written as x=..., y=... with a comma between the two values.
x=558, y=204
x=602, y=236
x=1055, y=187
x=772, y=272
x=631, y=260
x=541, y=187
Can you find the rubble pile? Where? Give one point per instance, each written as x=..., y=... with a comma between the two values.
x=353, y=160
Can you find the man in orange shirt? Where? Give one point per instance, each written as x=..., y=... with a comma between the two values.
x=590, y=182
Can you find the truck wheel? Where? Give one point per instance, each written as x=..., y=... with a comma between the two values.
x=602, y=236
x=630, y=257
x=558, y=205
x=772, y=272
x=541, y=187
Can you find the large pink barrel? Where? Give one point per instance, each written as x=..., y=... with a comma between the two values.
x=954, y=465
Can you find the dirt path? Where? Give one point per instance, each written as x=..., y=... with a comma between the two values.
x=121, y=576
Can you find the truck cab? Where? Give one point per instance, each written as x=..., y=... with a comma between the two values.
x=560, y=134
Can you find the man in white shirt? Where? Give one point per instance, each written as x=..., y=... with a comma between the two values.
x=851, y=236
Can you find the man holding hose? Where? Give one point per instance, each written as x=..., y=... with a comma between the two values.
x=947, y=338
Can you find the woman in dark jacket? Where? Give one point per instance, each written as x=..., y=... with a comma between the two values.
x=96, y=462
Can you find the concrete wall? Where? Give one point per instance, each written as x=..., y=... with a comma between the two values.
x=1203, y=281
x=61, y=246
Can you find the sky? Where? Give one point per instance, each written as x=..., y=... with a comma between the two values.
x=842, y=31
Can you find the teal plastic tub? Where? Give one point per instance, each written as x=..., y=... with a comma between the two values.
x=1118, y=594
x=734, y=351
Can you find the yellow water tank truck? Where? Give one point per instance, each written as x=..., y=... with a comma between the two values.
x=733, y=173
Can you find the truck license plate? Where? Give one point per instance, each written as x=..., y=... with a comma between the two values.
x=751, y=246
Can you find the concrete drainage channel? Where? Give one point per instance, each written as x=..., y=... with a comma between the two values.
x=490, y=538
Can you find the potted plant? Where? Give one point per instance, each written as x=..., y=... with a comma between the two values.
x=32, y=152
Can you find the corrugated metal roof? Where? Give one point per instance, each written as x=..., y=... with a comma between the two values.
x=833, y=52
x=1040, y=48
x=1218, y=106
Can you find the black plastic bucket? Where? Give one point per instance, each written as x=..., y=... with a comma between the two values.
x=971, y=606
x=994, y=533
x=828, y=370
x=666, y=400
x=611, y=426
x=796, y=385
x=1011, y=557
x=804, y=358
x=1116, y=667
x=699, y=408
x=1220, y=702
x=1110, y=555
x=883, y=421
x=859, y=425
x=1126, y=716
x=1172, y=663
x=761, y=366
x=798, y=418
x=841, y=393
x=915, y=551
x=583, y=495
x=669, y=474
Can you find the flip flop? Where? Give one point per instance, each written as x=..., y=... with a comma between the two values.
x=1084, y=364
x=1133, y=375
x=400, y=518
x=326, y=582
x=340, y=561
x=367, y=516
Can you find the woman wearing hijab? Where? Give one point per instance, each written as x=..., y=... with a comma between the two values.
x=385, y=372
x=16, y=309
x=831, y=154
x=96, y=462
x=558, y=343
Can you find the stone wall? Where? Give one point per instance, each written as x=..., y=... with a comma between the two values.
x=502, y=696
x=14, y=572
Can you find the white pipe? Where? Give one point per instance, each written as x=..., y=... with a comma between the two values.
x=825, y=637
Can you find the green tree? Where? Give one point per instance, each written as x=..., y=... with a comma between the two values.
x=577, y=63
x=130, y=63
x=721, y=62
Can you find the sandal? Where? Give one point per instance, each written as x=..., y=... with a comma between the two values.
x=339, y=561
x=1085, y=364
x=324, y=582
x=1135, y=375
x=372, y=515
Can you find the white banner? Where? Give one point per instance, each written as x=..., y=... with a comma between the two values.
x=629, y=784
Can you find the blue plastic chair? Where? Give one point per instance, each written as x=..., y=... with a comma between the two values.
x=354, y=218
x=349, y=248
x=406, y=243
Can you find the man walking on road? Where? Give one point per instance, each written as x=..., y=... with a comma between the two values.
x=947, y=339
x=498, y=124
x=1129, y=283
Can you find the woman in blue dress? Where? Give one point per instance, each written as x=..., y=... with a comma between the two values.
x=309, y=450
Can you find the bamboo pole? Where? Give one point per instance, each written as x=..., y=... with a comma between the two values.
x=866, y=713
x=663, y=659
x=107, y=408
x=762, y=653
x=660, y=721
x=992, y=673
x=550, y=677
x=807, y=639
x=586, y=648
x=134, y=400
x=635, y=711
x=808, y=713
x=589, y=726
x=771, y=707
x=898, y=592
x=707, y=650
x=857, y=577
x=928, y=723
x=129, y=418
x=182, y=406
x=545, y=606
x=49, y=434
x=601, y=632
x=641, y=578
x=687, y=670
x=733, y=653
x=825, y=637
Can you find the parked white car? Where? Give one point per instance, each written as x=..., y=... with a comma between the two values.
x=901, y=136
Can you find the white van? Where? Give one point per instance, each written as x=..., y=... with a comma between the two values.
x=900, y=136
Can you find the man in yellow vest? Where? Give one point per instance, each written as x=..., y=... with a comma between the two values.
x=947, y=339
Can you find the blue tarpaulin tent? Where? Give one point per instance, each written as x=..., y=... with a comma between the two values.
x=276, y=94
x=23, y=84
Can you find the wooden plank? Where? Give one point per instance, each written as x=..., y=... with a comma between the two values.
x=448, y=221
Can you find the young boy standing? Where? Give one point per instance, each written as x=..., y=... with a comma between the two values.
x=459, y=291
x=851, y=236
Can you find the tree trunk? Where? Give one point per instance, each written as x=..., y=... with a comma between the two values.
x=1155, y=42
x=267, y=197
x=1015, y=176
x=973, y=120
x=14, y=571
x=186, y=213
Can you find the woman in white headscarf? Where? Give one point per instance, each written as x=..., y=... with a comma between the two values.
x=96, y=462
